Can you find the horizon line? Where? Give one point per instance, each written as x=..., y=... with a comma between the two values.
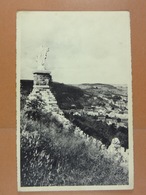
x=82, y=83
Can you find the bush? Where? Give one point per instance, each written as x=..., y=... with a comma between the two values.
x=53, y=156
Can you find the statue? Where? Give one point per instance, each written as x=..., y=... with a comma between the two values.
x=41, y=58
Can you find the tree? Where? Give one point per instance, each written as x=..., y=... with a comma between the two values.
x=116, y=98
x=35, y=108
x=119, y=120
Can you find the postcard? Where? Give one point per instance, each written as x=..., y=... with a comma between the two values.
x=74, y=101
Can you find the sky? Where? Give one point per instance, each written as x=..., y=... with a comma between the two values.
x=84, y=47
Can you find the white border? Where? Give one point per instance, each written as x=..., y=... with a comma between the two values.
x=130, y=126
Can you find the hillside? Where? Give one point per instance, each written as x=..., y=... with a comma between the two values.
x=78, y=95
x=73, y=148
x=78, y=104
x=58, y=157
x=66, y=95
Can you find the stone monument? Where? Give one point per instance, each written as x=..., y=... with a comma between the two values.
x=41, y=85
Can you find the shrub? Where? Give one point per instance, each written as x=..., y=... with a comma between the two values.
x=53, y=156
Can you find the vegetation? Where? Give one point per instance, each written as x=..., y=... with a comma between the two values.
x=25, y=89
x=81, y=96
x=99, y=130
x=54, y=156
x=67, y=95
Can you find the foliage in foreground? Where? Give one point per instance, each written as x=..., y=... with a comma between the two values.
x=99, y=129
x=56, y=157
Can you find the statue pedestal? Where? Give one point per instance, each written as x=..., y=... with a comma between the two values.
x=42, y=78
x=41, y=88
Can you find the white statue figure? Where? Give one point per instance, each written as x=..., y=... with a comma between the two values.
x=41, y=58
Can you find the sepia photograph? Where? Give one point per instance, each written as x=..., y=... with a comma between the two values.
x=74, y=101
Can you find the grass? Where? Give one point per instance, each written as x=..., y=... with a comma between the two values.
x=54, y=157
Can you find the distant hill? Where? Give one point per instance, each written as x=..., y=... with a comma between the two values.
x=84, y=96
x=26, y=86
x=66, y=95
x=104, y=88
x=89, y=85
x=80, y=96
